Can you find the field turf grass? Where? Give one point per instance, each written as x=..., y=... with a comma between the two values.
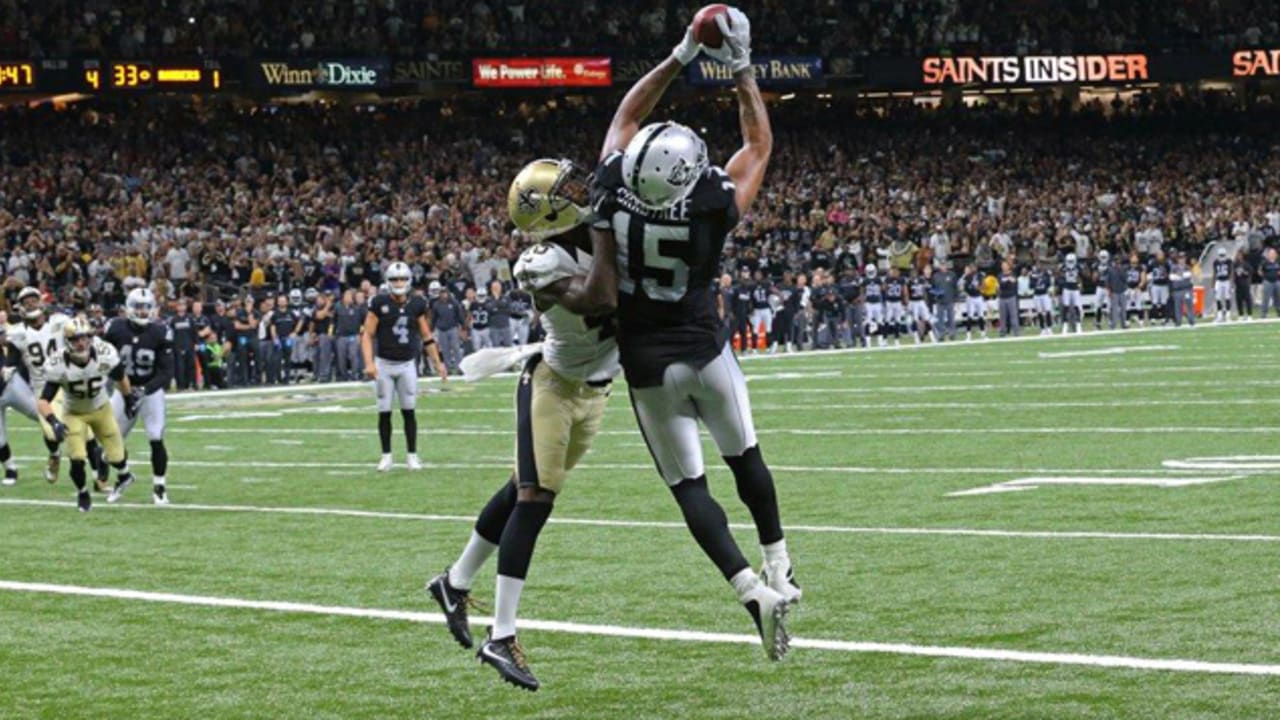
x=867, y=448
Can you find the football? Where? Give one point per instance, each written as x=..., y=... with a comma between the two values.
x=705, y=29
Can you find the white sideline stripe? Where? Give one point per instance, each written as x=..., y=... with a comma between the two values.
x=648, y=467
x=1118, y=350
x=963, y=653
x=659, y=524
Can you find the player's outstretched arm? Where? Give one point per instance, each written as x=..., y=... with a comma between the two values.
x=747, y=166
x=597, y=292
x=644, y=95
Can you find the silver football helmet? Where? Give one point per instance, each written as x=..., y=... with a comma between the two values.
x=1071, y=259
x=399, y=278
x=32, y=303
x=663, y=162
x=871, y=272
x=1104, y=257
x=139, y=305
x=295, y=297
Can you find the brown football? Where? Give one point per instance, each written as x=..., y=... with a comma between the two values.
x=705, y=29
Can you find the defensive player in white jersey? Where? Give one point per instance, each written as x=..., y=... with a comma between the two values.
x=560, y=401
x=38, y=338
x=146, y=352
x=84, y=373
x=16, y=393
x=671, y=212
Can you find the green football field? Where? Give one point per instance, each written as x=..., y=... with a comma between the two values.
x=1082, y=527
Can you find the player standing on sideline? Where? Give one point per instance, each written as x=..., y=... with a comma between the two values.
x=1269, y=269
x=1243, y=277
x=146, y=353
x=1222, y=290
x=1135, y=277
x=1096, y=276
x=1158, y=274
x=673, y=211
x=81, y=372
x=1069, y=279
x=398, y=323
x=1042, y=304
x=1008, y=302
x=919, y=289
x=895, y=311
x=560, y=400
x=874, y=290
x=975, y=306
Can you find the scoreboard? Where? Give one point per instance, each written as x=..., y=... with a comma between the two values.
x=92, y=76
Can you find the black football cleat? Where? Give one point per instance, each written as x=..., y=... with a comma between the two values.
x=453, y=602
x=84, y=501
x=10, y=476
x=507, y=657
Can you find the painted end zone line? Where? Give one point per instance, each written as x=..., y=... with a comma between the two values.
x=962, y=653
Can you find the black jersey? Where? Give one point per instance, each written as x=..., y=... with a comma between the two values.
x=919, y=288
x=146, y=351
x=1070, y=277
x=893, y=290
x=1158, y=271
x=1222, y=270
x=480, y=311
x=760, y=296
x=1133, y=276
x=1041, y=281
x=397, y=336
x=668, y=260
x=851, y=289
x=972, y=284
x=875, y=290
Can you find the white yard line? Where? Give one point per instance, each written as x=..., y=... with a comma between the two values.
x=961, y=653
x=658, y=524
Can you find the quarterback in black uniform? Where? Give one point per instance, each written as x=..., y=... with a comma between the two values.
x=397, y=322
x=670, y=212
x=146, y=351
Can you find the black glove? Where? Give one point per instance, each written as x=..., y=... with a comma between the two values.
x=131, y=403
x=58, y=428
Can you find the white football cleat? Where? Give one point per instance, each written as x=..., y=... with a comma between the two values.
x=118, y=491
x=412, y=461
x=780, y=577
x=159, y=495
x=769, y=610
x=385, y=463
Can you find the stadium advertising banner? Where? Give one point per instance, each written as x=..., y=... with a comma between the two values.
x=1255, y=63
x=303, y=75
x=541, y=72
x=424, y=71
x=770, y=70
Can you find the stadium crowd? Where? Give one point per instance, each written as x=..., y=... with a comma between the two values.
x=239, y=208
x=172, y=28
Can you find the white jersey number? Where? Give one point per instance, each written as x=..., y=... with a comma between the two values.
x=654, y=265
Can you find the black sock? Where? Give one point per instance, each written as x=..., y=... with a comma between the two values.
x=756, y=490
x=77, y=474
x=51, y=446
x=5, y=453
x=493, y=518
x=706, y=520
x=122, y=470
x=515, y=550
x=384, y=431
x=159, y=458
x=410, y=429
x=94, y=451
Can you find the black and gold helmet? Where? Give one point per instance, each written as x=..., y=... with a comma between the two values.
x=548, y=197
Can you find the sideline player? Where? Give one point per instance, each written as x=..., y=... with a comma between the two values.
x=1069, y=282
x=146, y=352
x=1223, y=285
x=398, y=323
x=560, y=401
x=83, y=373
x=671, y=212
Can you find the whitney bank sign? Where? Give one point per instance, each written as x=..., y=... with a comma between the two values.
x=769, y=70
x=332, y=74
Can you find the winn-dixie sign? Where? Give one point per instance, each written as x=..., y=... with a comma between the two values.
x=322, y=74
x=542, y=72
x=790, y=70
x=1034, y=69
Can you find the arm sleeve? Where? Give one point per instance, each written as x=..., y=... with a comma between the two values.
x=50, y=391
x=163, y=374
x=117, y=373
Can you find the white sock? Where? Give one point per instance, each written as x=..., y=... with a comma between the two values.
x=158, y=480
x=506, y=601
x=776, y=553
x=463, y=571
x=744, y=582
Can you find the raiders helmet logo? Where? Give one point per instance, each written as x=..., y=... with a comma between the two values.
x=682, y=173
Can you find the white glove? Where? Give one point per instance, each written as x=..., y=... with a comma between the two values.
x=688, y=48
x=735, y=51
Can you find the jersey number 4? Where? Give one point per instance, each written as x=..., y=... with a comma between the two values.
x=401, y=329
x=664, y=276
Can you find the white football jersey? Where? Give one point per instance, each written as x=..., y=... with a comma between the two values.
x=576, y=347
x=87, y=388
x=39, y=345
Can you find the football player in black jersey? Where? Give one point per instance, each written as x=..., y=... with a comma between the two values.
x=398, y=323
x=146, y=351
x=1222, y=285
x=975, y=306
x=895, y=310
x=1158, y=274
x=1135, y=278
x=1069, y=282
x=671, y=212
x=1042, y=304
